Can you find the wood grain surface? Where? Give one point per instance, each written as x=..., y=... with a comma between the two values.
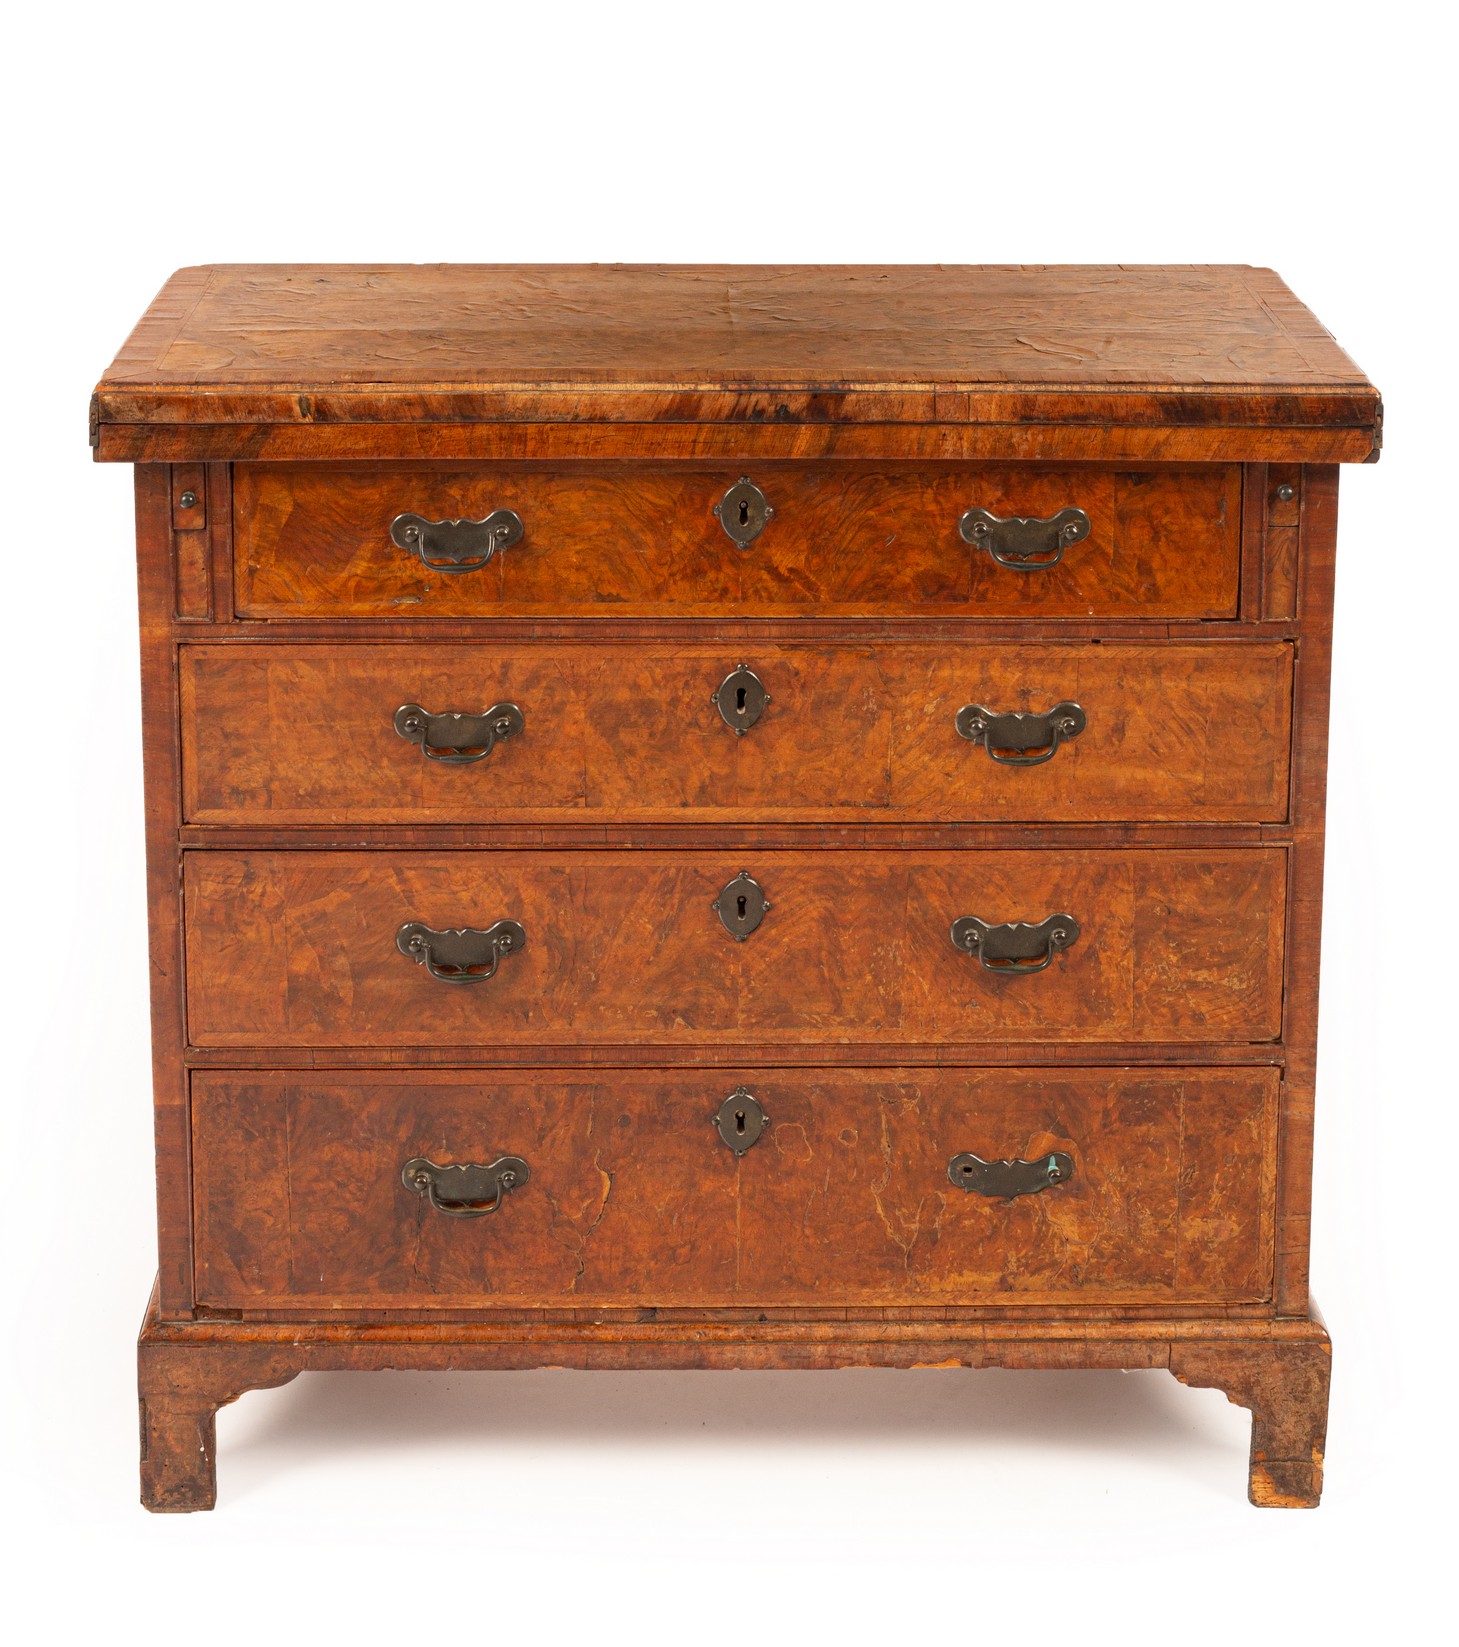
x=1123, y=363
x=1317, y=555
x=159, y=567
x=623, y=948
x=304, y=735
x=1073, y=427
x=314, y=541
x=318, y=346
x=633, y=1198
x=743, y=324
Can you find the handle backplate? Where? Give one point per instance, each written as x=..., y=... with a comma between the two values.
x=457, y=545
x=1024, y=543
x=453, y=739
x=1019, y=739
x=469, y=1190
x=460, y=955
x=1014, y=946
x=1002, y=1180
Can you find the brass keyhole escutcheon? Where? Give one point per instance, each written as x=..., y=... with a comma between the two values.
x=741, y=699
x=741, y=906
x=743, y=512
x=740, y=1120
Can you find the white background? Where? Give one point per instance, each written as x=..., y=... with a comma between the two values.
x=850, y=1506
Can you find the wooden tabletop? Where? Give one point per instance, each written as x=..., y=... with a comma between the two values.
x=259, y=345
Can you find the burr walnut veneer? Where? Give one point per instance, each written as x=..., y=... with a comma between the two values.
x=734, y=817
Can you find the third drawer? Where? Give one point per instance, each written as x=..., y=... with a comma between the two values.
x=302, y=734
x=492, y=949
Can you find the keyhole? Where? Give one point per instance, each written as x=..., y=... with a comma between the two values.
x=744, y=511
x=740, y=905
x=739, y=1120
x=740, y=699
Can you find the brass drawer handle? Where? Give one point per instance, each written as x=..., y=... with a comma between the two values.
x=1018, y=739
x=1027, y=545
x=454, y=739
x=1002, y=1180
x=460, y=955
x=468, y=1190
x=1014, y=946
x=457, y=545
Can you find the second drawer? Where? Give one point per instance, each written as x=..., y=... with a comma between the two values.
x=1056, y=732
x=488, y=949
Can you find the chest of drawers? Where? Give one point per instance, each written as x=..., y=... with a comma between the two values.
x=733, y=817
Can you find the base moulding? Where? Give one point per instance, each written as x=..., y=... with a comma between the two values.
x=1279, y=1369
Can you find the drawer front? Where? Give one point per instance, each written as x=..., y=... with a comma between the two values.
x=315, y=541
x=628, y=1195
x=624, y=948
x=311, y=735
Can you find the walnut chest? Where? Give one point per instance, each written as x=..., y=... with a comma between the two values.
x=733, y=817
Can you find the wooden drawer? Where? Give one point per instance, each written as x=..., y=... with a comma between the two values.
x=315, y=541
x=623, y=948
x=632, y=1199
x=307, y=735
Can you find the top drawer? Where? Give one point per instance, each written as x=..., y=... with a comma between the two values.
x=314, y=541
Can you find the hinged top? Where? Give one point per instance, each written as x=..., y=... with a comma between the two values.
x=247, y=348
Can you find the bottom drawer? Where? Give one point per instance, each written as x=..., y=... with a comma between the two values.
x=628, y=1194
